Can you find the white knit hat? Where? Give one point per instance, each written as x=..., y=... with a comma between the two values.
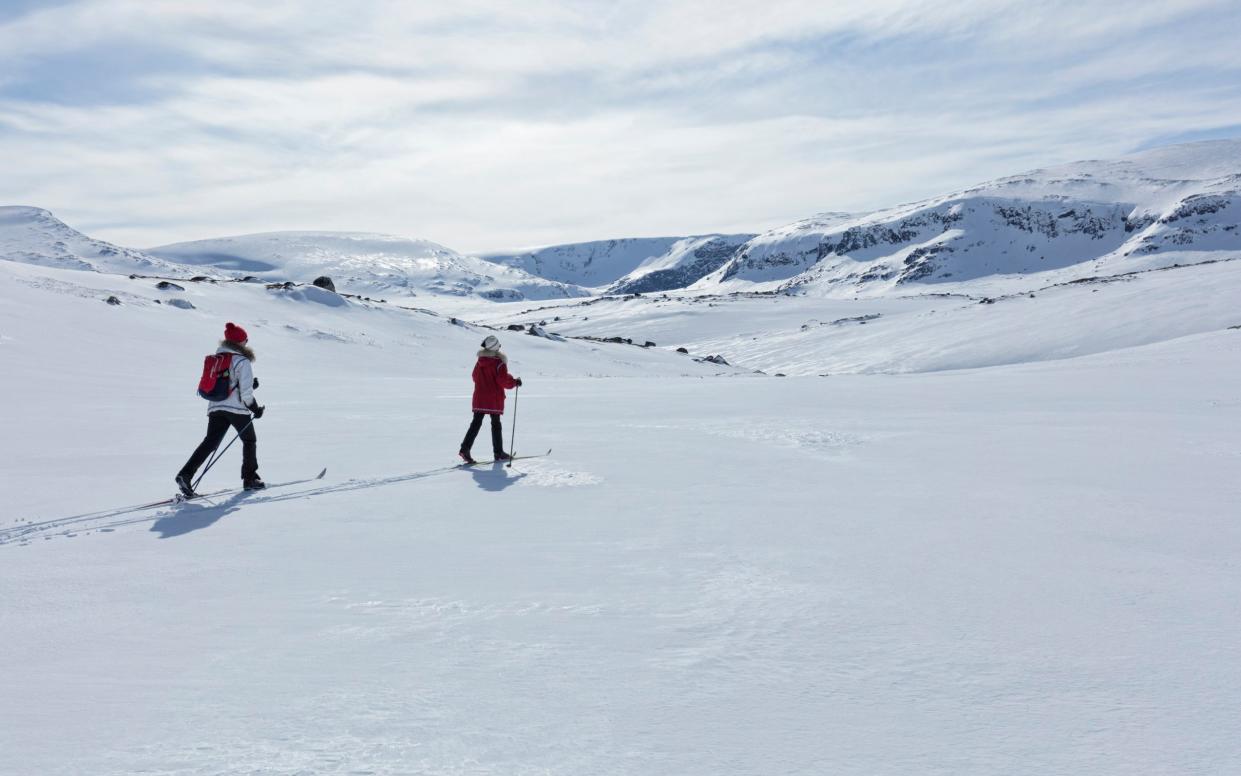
x=491, y=343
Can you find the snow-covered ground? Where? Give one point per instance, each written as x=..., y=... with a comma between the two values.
x=1018, y=569
x=987, y=524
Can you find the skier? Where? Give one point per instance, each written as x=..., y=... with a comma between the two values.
x=235, y=410
x=491, y=378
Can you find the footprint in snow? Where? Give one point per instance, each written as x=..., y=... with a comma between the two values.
x=544, y=474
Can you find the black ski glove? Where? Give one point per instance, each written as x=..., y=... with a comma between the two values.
x=256, y=384
x=518, y=381
x=257, y=410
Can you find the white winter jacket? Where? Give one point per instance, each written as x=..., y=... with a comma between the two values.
x=240, y=385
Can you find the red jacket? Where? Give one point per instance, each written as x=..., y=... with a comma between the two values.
x=491, y=377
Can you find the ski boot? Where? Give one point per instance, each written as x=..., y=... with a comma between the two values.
x=183, y=485
x=253, y=484
x=466, y=457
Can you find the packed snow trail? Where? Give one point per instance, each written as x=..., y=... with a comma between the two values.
x=24, y=530
x=75, y=524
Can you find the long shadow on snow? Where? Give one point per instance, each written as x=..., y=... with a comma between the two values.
x=349, y=485
x=494, y=479
x=194, y=516
x=179, y=522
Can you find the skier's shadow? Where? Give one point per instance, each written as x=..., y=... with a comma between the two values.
x=494, y=479
x=194, y=516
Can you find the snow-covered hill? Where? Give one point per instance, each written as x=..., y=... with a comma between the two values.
x=373, y=264
x=31, y=235
x=811, y=335
x=1077, y=220
x=628, y=265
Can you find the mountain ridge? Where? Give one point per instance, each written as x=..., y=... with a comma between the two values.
x=1082, y=218
x=628, y=264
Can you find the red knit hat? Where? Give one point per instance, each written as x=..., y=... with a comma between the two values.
x=234, y=333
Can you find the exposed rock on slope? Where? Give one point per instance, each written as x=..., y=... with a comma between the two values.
x=628, y=265
x=1086, y=218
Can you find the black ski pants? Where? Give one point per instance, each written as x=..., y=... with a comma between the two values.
x=497, y=436
x=218, y=424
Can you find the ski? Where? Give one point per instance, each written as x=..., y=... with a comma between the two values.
x=178, y=499
x=514, y=458
x=21, y=530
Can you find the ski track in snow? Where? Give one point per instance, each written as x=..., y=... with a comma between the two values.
x=72, y=526
x=494, y=477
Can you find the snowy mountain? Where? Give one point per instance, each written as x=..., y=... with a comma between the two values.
x=627, y=265
x=363, y=263
x=31, y=235
x=1077, y=220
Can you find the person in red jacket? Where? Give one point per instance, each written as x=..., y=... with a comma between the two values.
x=491, y=378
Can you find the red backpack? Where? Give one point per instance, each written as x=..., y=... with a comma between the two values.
x=217, y=374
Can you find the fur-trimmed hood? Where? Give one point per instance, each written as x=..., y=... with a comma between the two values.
x=484, y=353
x=237, y=347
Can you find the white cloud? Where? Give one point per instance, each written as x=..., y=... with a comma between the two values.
x=488, y=124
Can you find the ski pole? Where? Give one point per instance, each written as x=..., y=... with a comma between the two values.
x=218, y=456
x=512, y=442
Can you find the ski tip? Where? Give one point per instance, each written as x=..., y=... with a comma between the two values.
x=322, y=473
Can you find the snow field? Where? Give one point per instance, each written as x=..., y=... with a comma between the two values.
x=1019, y=569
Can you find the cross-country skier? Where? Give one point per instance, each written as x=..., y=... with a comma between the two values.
x=491, y=378
x=238, y=410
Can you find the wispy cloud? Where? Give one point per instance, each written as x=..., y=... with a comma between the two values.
x=484, y=124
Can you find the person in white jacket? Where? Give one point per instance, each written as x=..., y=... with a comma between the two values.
x=238, y=410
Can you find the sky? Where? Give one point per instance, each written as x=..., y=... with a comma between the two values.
x=488, y=125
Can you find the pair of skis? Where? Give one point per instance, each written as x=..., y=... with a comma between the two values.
x=467, y=464
x=181, y=498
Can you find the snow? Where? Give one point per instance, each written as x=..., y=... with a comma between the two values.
x=1144, y=211
x=362, y=263
x=870, y=574
x=1045, y=226
x=806, y=335
x=624, y=263
x=34, y=236
x=1000, y=535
